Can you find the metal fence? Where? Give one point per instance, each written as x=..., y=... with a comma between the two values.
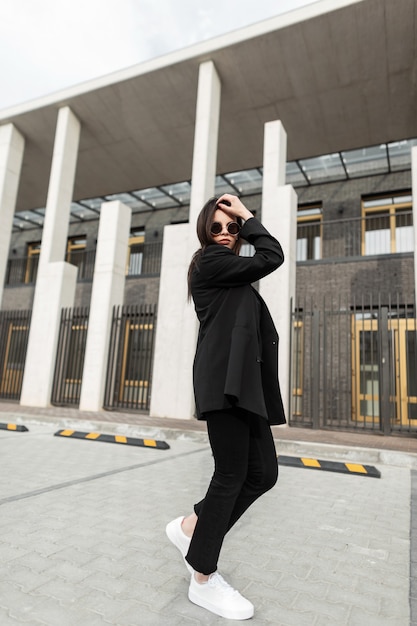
x=354, y=237
x=128, y=384
x=14, y=335
x=354, y=365
x=84, y=260
x=144, y=260
x=22, y=270
x=69, y=364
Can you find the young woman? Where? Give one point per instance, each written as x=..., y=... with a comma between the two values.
x=236, y=391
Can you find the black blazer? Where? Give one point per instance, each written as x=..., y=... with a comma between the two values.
x=236, y=361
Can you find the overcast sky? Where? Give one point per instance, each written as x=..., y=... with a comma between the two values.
x=47, y=45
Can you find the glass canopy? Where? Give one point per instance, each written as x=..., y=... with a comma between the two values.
x=382, y=159
x=326, y=168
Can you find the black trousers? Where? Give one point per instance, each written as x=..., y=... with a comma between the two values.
x=245, y=467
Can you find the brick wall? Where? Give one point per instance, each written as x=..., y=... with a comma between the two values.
x=388, y=274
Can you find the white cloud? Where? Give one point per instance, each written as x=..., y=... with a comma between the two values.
x=47, y=45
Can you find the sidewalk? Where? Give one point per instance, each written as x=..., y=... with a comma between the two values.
x=82, y=539
x=333, y=445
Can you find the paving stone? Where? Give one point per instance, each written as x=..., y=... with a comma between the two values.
x=66, y=593
x=99, y=602
x=23, y=577
x=143, y=615
x=359, y=617
x=338, y=611
x=278, y=615
x=51, y=612
x=72, y=555
x=139, y=573
x=103, y=582
x=19, y=605
x=69, y=572
x=5, y=619
x=84, y=540
x=369, y=602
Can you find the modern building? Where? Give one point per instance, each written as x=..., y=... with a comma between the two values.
x=311, y=118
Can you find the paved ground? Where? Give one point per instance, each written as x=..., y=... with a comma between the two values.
x=82, y=538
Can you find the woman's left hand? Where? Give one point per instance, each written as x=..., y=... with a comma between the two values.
x=233, y=206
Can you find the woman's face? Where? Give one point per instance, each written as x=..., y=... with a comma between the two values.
x=224, y=238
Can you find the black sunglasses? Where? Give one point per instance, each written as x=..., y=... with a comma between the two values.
x=233, y=228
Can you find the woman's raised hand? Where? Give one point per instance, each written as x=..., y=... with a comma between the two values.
x=233, y=206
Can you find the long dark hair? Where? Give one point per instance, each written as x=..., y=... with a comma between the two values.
x=204, y=222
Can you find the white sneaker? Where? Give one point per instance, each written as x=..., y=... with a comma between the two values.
x=180, y=540
x=220, y=598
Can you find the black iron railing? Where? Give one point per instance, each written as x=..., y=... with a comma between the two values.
x=354, y=364
x=354, y=237
x=129, y=371
x=144, y=260
x=14, y=335
x=66, y=389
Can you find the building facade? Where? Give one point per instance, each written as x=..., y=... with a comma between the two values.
x=102, y=217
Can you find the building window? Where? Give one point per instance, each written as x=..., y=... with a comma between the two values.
x=246, y=249
x=297, y=368
x=387, y=225
x=309, y=232
x=401, y=337
x=75, y=255
x=32, y=261
x=135, y=252
x=76, y=252
x=75, y=247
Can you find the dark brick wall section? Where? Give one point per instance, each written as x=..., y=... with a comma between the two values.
x=390, y=274
x=18, y=298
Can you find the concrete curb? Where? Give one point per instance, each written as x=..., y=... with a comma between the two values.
x=114, y=428
x=330, y=452
x=355, y=454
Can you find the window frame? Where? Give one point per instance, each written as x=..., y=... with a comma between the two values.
x=313, y=219
x=33, y=250
x=391, y=210
x=135, y=239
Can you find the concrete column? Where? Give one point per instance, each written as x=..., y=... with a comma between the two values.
x=107, y=292
x=11, y=154
x=414, y=192
x=279, y=216
x=203, y=177
x=55, y=289
x=60, y=190
x=176, y=332
x=56, y=280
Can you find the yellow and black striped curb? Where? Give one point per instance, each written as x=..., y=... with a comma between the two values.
x=16, y=427
x=130, y=441
x=330, y=466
